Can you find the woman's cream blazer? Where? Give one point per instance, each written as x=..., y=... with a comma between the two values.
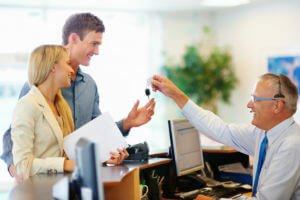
x=37, y=137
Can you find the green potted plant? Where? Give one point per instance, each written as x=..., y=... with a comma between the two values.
x=205, y=79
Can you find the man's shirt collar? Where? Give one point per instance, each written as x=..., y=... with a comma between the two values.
x=80, y=76
x=279, y=129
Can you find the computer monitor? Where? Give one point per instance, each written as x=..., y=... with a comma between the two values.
x=185, y=146
x=88, y=168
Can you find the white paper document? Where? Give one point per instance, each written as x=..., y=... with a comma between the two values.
x=101, y=130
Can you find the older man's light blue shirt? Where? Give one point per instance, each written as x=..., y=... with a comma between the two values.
x=280, y=173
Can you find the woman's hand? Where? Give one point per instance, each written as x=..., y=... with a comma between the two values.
x=117, y=157
x=69, y=165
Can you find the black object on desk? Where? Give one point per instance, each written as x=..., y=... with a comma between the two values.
x=216, y=159
x=215, y=192
x=138, y=152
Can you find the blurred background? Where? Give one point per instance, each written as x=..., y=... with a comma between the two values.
x=141, y=37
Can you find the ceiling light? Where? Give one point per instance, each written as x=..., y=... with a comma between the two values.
x=224, y=3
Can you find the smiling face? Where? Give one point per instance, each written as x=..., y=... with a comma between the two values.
x=263, y=111
x=63, y=72
x=81, y=51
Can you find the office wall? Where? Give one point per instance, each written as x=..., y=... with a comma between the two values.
x=180, y=30
x=252, y=32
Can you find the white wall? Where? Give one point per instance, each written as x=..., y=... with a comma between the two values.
x=254, y=33
x=180, y=30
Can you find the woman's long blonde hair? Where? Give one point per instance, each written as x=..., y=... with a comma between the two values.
x=40, y=64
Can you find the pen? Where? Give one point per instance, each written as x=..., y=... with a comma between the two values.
x=236, y=196
x=161, y=180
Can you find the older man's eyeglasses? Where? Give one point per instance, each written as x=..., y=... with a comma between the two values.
x=278, y=96
x=255, y=98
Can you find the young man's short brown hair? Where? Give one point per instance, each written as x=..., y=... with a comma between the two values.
x=81, y=24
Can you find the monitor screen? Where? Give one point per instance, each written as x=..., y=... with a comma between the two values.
x=88, y=168
x=185, y=146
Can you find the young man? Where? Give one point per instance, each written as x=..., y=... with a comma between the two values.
x=82, y=36
x=273, y=139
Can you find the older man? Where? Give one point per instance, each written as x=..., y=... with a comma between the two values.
x=273, y=139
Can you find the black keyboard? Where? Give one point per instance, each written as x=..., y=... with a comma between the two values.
x=226, y=192
x=216, y=192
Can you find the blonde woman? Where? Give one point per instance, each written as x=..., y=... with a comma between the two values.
x=42, y=117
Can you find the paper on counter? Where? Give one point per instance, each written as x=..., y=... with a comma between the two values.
x=101, y=130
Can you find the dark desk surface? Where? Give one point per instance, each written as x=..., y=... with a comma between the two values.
x=224, y=149
x=220, y=150
x=40, y=186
